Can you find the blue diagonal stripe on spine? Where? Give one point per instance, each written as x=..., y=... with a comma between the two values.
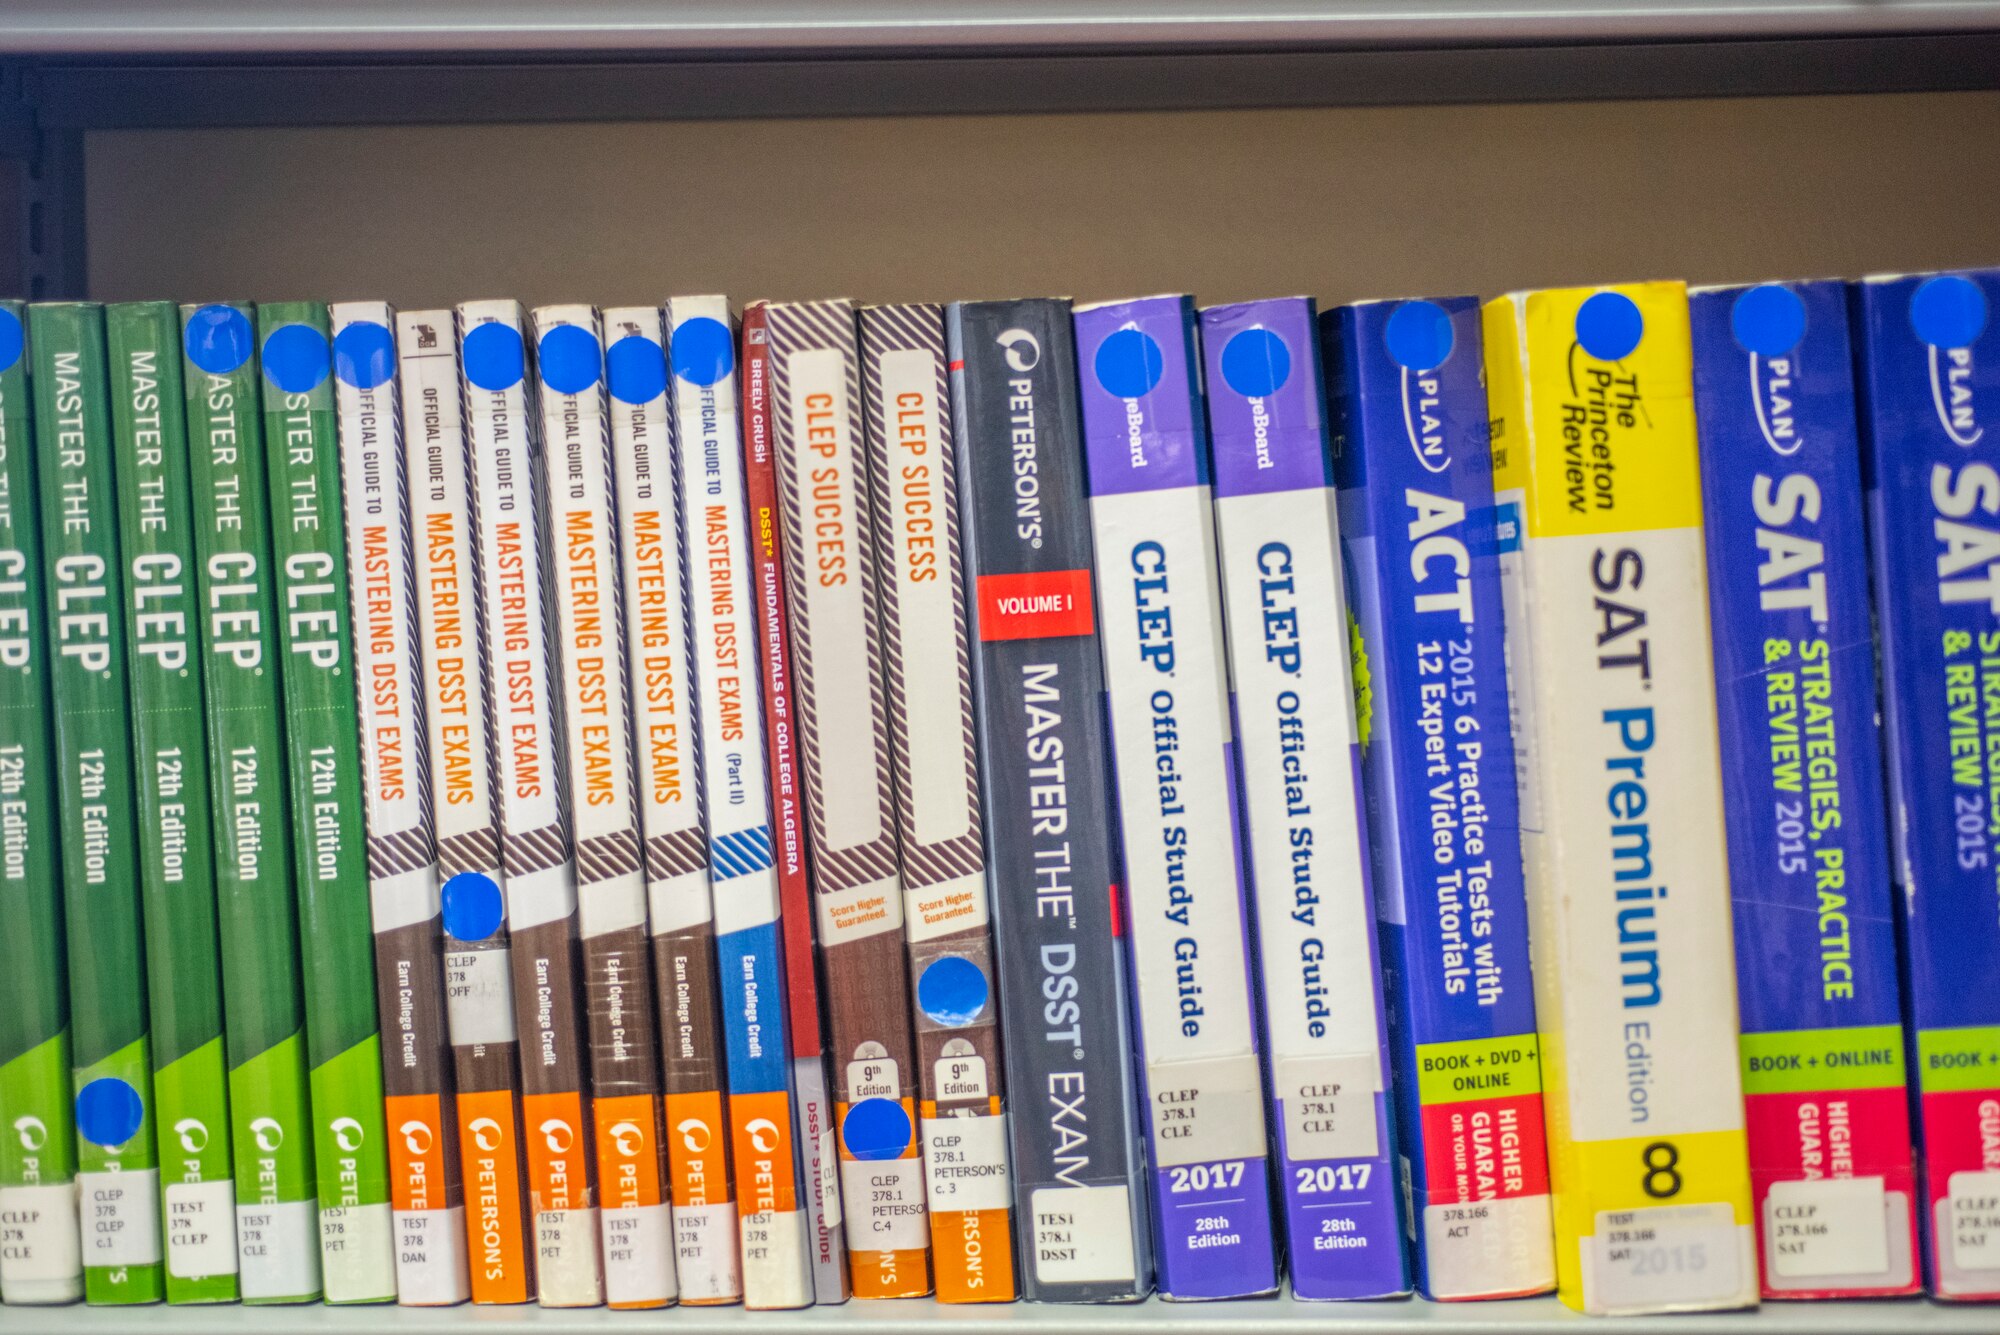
x=740, y=853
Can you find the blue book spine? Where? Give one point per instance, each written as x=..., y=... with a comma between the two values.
x=1423, y=557
x=1305, y=829
x=1930, y=416
x=1166, y=681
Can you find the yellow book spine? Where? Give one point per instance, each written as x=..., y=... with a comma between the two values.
x=1595, y=475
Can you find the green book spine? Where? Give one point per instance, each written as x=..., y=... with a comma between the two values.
x=39, y=1235
x=111, y=1065
x=277, y=1244
x=343, y=1037
x=177, y=856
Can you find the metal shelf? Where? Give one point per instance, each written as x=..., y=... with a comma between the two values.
x=1278, y=1317
x=211, y=27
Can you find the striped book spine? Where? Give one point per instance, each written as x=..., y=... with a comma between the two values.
x=458, y=745
x=927, y=670
x=849, y=790
x=509, y=505
x=750, y=964
x=419, y=1107
x=42, y=1261
x=636, y=1223
x=680, y=908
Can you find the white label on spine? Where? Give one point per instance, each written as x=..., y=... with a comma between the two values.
x=957, y=1079
x=1488, y=1249
x=859, y=910
x=357, y=1245
x=638, y=1255
x=829, y=1181
x=705, y=1250
x=478, y=996
x=566, y=1270
x=1974, y=1208
x=1329, y=1105
x=201, y=1228
x=278, y=1248
x=956, y=905
x=1204, y=1111
x=873, y=1078
x=1083, y=1235
x=431, y=1258
x=772, y=1276
x=1662, y=1258
x=891, y=1215
x=1835, y=1226
x=39, y=1227
x=121, y=1217
x=965, y=1163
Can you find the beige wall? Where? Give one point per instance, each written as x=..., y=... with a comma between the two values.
x=1340, y=203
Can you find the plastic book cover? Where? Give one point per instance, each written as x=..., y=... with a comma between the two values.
x=419, y=1108
x=458, y=747
x=680, y=909
x=1831, y=1170
x=834, y=624
x=510, y=512
x=1929, y=378
x=330, y=849
x=111, y=1056
x=1077, y=1151
x=1600, y=528
x=636, y=1220
x=1415, y=474
x=1304, y=827
x=41, y=1261
x=183, y=955
x=812, y=1102
x=277, y=1209
x=927, y=673
x=1173, y=747
x=749, y=947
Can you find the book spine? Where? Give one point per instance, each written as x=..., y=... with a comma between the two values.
x=41, y=1261
x=1816, y=966
x=458, y=744
x=750, y=961
x=177, y=858
x=277, y=1213
x=418, y=1105
x=1078, y=1159
x=811, y=1101
x=1415, y=474
x=509, y=509
x=635, y=1218
x=928, y=675
x=849, y=790
x=680, y=910
x=322, y=738
x=1166, y=676
x=111, y=1060
x=1293, y=696
x=1929, y=382
x=1597, y=488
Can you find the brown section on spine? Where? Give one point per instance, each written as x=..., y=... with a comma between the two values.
x=545, y=978
x=690, y=1019
x=618, y=1009
x=983, y=1033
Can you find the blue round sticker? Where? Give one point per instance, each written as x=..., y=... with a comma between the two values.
x=1129, y=364
x=702, y=351
x=108, y=1111
x=494, y=357
x=1768, y=320
x=1256, y=363
x=636, y=368
x=472, y=906
x=1948, y=311
x=952, y=990
x=1609, y=326
x=297, y=358
x=364, y=355
x=570, y=358
x=876, y=1129
x=1419, y=335
x=218, y=339
x=11, y=340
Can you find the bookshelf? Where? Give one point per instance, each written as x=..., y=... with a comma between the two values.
x=434, y=150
